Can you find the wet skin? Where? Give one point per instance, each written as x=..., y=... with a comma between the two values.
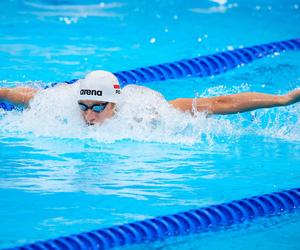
x=91, y=117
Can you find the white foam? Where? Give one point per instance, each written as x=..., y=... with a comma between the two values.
x=144, y=115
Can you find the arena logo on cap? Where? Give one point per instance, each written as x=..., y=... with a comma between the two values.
x=91, y=92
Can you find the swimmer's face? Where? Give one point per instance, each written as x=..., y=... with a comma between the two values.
x=91, y=116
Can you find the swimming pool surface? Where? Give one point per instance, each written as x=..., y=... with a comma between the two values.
x=60, y=177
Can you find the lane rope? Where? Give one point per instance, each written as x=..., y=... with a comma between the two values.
x=204, y=219
x=203, y=66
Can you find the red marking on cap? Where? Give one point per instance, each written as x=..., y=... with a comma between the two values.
x=116, y=86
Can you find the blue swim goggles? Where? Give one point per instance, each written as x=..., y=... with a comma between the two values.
x=95, y=107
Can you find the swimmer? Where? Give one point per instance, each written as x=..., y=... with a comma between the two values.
x=100, y=92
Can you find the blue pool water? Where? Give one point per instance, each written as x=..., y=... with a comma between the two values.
x=59, y=177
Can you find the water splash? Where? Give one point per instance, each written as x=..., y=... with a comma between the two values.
x=144, y=115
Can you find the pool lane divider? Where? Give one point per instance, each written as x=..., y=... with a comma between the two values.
x=210, y=218
x=202, y=66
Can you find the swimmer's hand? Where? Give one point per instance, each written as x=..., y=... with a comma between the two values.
x=293, y=96
x=17, y=95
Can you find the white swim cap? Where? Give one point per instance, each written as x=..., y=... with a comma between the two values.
x=100, y=85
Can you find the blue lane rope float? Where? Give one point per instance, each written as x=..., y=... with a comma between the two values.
x=209, y=218
x=6, y=106
x=201, y=66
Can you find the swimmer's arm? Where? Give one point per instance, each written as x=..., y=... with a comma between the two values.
x=236, y=103
x=18, y=95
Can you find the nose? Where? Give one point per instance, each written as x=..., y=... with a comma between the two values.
x=90, y=116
